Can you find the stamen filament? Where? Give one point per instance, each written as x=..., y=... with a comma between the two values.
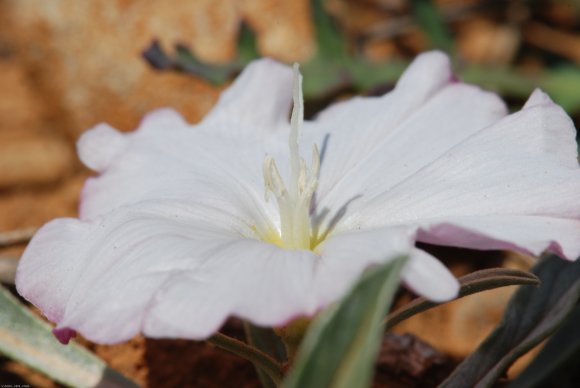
x=294, y=202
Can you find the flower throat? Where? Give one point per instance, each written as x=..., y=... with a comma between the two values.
x=294, y=200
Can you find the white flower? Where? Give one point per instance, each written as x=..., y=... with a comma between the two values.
x=175, y=234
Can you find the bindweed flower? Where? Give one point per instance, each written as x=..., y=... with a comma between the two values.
x=249, y=215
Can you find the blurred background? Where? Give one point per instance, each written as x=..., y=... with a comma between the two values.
x=67, y=65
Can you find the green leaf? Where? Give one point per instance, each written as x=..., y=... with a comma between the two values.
x=215, y=74
x=531, y=316
x=266, y=340
x=432, y=24
x=341, y=346
x=561, y=84
x=27, y=339
x=562, y=351
x=247, y=46
x=478, y=281
x=331, y=44
x=267, y=364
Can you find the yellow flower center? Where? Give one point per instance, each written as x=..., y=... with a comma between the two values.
x=294, y=200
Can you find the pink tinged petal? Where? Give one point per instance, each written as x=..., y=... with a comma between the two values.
x=257, y=102
x=428, y=277
x=164, y=268
x=64, y=335
x=346, y=255
x=528, y=234
x=41, y=276
x=513, y=185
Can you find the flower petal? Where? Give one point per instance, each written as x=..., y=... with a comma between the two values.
x=428, y=277
x=257, y=102
x=172, y=270
x=98, y=147
x=64, y=335
x=164, y=161
x=521, y=171
x=349, y=131
x=249, y=279
x=346, y=255
x=398, y=134
x=229, y=146
x=528, y=234
x=101, y=145
x=510, y=168
x=162, y=267
x=555, y=135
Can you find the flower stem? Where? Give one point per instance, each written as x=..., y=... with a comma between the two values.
x=292, y=335
x=257, y=357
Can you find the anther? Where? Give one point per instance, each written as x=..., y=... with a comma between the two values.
x=294, y=202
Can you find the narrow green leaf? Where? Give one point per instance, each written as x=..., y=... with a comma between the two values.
x=531, y=316
x=561, y=84
x=478, y=281
x=267, y=341
x=261, y=360
x=331, y=44
x=432, y=24
x=215, y=74
x=247, y=46
x=341, y=346
x=560, y=352
x=27, y=339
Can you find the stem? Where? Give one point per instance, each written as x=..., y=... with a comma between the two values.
x=14, y=237
x=292, y=335
x=472, y=283
x=258, y=358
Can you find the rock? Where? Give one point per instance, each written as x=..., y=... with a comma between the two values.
x=486, y=42
x=86, y=56
x=457, y=328
x=284, y=28
x=20, y=107
x=33, y=160
x=25, y=208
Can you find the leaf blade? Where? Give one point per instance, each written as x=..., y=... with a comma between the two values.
x=560, y=350
x=24, y=337
x=478, y=281
x=531, y=316
x=342, y=343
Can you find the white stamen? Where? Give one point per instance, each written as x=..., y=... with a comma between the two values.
x=294, y=202
x=272, y=178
